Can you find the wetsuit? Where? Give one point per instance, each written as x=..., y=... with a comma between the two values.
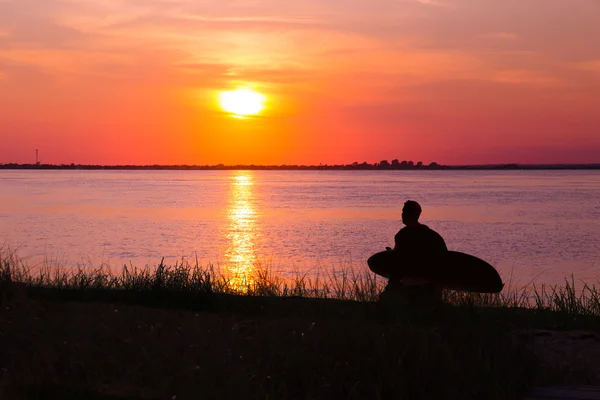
x=415, y=243
x=418, y=239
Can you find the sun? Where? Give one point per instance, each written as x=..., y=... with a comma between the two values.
x=242, y=102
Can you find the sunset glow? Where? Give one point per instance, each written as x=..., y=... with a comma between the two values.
x=242, y=102
x=451, y=81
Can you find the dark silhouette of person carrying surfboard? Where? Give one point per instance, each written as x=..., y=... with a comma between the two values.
x=420, y=266
x=414, y=244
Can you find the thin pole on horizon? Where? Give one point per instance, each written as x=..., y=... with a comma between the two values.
x=37, y=162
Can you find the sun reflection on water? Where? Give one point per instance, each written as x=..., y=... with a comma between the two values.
x=241, y=230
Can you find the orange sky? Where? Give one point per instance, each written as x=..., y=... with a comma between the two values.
x=452, y=81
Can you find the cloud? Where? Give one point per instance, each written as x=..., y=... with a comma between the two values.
x=186, y=24
x=248, y=73
x=590, y=66
x=34, y=24
x=433, y=3
x=501, y=36
x=560, y=27
x=527, y=77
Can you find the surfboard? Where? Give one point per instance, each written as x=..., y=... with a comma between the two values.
x=451, y=270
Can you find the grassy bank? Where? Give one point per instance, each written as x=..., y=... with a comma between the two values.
x=185, y=281
x=187, y=331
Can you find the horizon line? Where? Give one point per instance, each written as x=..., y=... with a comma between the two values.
x=352, y=166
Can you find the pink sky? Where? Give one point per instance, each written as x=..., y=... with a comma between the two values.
x=457, y=82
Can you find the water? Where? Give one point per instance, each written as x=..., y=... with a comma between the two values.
x=542, y=225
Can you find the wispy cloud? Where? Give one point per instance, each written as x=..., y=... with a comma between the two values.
x=592, y=66
x=185, y=23
x=527, y=77
x=260, y=19
x=501, y=36
x=437, y=3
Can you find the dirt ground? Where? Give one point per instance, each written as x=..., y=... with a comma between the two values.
x=152, y=353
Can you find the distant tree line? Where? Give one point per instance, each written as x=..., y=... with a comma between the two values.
x=396, y=164
x=382, y=165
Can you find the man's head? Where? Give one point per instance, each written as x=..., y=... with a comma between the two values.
x=411, y=212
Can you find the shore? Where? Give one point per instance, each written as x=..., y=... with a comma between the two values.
x=384, y=166
x=178, y=332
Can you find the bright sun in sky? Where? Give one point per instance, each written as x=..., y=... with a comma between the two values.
x=242, y=102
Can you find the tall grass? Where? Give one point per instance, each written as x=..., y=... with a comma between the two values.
x=345, y=284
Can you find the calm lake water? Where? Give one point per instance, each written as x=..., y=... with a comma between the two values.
x=542, y=225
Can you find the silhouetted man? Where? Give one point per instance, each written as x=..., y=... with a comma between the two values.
x=415, y=243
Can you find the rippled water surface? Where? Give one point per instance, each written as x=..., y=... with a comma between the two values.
x=531, y=224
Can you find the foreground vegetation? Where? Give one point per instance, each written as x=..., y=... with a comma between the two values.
x=186, y=281
x=303, y=338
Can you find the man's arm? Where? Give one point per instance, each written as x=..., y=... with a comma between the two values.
x=398, y=241
x=440, y=243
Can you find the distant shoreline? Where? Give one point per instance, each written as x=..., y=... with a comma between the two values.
x=346, y=167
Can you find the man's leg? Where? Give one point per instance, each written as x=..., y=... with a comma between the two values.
x=414, y=296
